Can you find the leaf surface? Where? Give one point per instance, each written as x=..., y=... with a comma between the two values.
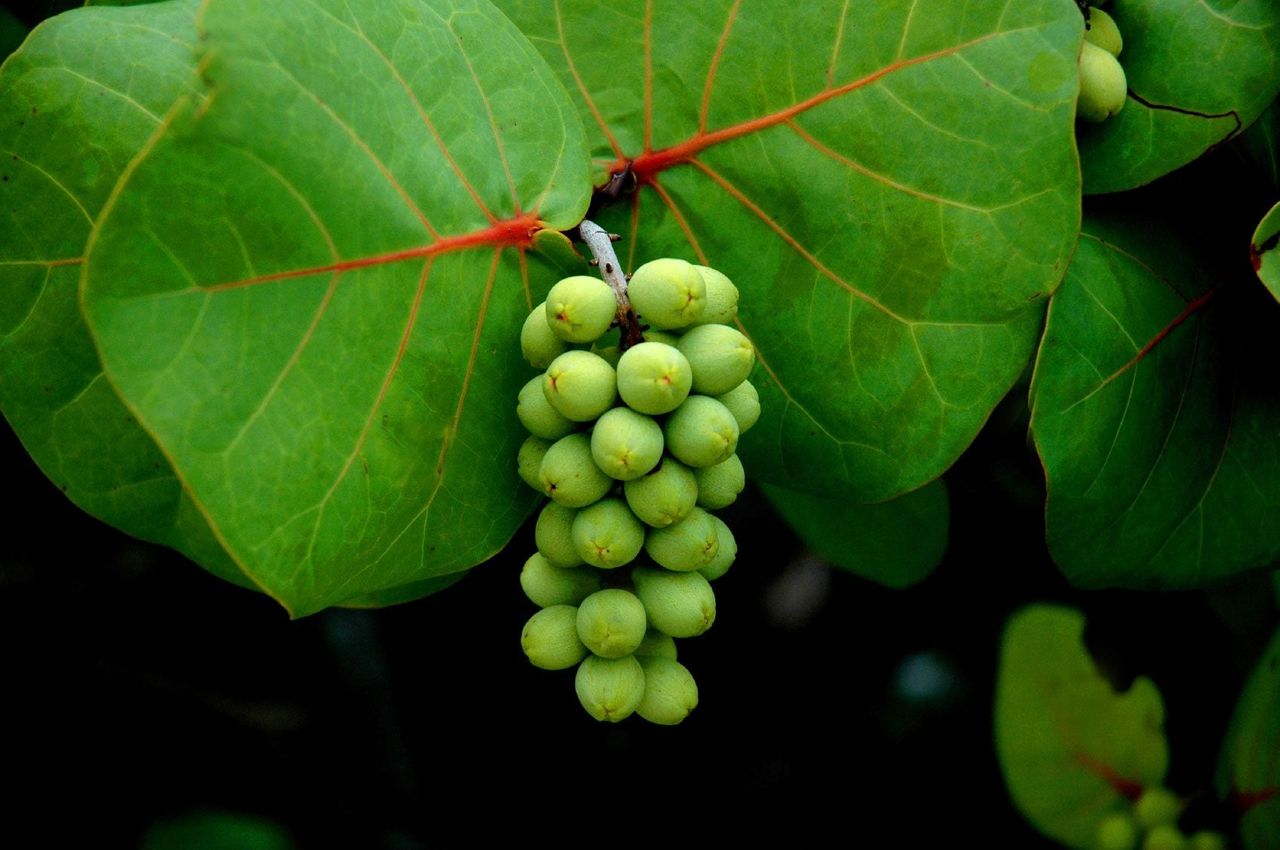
x=1249, y=767
x=892, y=186
x=75, y=105
x=1264, y=250
x=1154, y=410
x=1072, y=749
x=308, y=287
x=1199, y=72
x=896, y=543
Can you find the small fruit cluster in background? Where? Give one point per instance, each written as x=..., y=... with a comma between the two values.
x=1152, y=825
x=635, y=446
x=1103, y=87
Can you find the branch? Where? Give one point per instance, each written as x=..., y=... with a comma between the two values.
x=601, y=244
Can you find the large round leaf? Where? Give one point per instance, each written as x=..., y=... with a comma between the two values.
x=75, y=106
x=1199, y=72
x=309, y=286
x=1155, y=413
x=1072, y=749
x=892, y=185
x=1249, y=768
x=1264, y=250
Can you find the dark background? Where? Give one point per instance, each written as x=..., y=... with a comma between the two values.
x=139, y=689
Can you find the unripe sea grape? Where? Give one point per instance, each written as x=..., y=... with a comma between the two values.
x=680, y=604
x=701, y=432
x=689, y=544
x=611, y=623
x=580, y=385
x=550, y=638
x=607, y=534
x=668, y=293
x=538, y=343
x=580, y=308
x=626, y=444
x=721, y=358
x=569, y=475
x=664, y=496
x=609, y=688
x=670, y=692
x=654, y=378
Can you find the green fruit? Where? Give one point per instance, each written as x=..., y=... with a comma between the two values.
x=668, y=293
x=654, y=378
x=580, y=308
x=529, y=459
x=726, y=554
x=689, y=544
x=1157, y=806
x=664, y=496
x=537, y=415
x=722, y=298
x=553, y=535
x=626, y=444
x=744, y=403
x=721, y=358
x=719, y=485
x=537, y=342
x=1206, y=840
x=665, y=337
x=1103, y=87
x=611, y=623
x=546, y=584
x=669, y=691
x=1102, y=31
x=550, y=638
x=1164, y=837
x=607, y=534
x=701, y=432
x=1117, y=832
x=609, y=688
x=569, y=475
x=656, y=643
x=679, y=604
x=580, y=385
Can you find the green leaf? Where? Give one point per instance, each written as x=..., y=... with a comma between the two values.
x=1260, y=145
x=75, y=106
x=309, y=288
x=1154, y=411
x=1249, y=767
x=1264, y=250
x=892, y=186
x=896, y=543
x=1072, y=749
x=217, y=830
x=1199, y=72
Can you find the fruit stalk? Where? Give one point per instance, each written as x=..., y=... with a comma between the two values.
x=601, y=244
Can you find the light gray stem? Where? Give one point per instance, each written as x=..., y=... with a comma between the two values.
x=601, y=245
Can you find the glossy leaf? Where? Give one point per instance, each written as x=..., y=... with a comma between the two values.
x=74, y=108
x=1199, y=72
x=308, y=288
x=1264, y=250
x=892, y=186
x=895, y=543
x=1259, y=145
x=1072, y=749
x=1249, y=768
x=1154, y=409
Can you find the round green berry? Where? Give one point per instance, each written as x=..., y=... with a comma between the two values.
x=725, y=555
x=553, y=535
x=719, y=485
x=537, y=415
x=550, y=638
x=546, y=584
x=538, y=343
x=1117, y=832
x=721, y=358
x=580, y=308
x=609, y=688
x=744, y=403
x=580, y=385
x=626, y=444
x=665, y=337
x=611, y=623
x=1103, y=87
x=689, y=544
x=722, y=298
x=668, y=293
x=654, y=378
x=657, y=643
x=701, y=432
x=1102, y=31
x=664, y=496
x=1205, y=839
x=1164, y=837
x=669, y=691
x=680, y=604
x=569, y=475
x=1157, y=806
x=529, y=459
x=607, y=534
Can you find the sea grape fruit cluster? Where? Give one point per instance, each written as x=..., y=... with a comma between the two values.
x=1103, y=87
x=634, y=448
x=1151, y=823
